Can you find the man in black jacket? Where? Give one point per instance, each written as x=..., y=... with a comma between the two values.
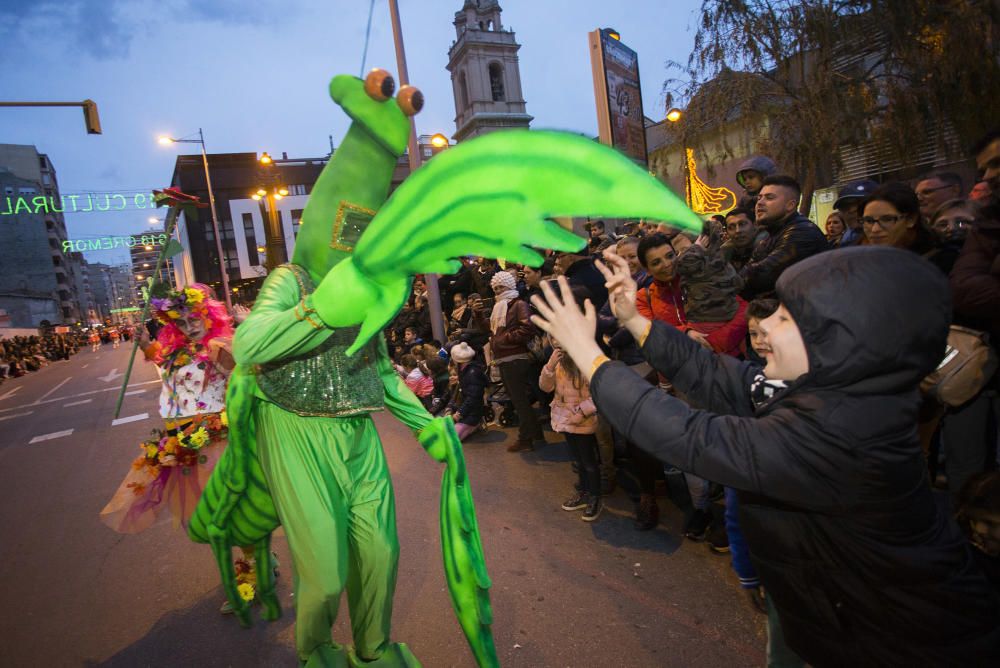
x=791, y=236
x=862, y=563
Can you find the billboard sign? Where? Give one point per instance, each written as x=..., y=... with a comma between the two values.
x=620, y=120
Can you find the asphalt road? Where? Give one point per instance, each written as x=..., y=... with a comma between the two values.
x=565, y=593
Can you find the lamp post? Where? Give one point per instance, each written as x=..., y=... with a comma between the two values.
x=433, y=293
x=211, y=202
x=675, y=115
x=270, y=193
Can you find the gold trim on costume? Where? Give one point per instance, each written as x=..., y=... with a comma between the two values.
x=336, y=241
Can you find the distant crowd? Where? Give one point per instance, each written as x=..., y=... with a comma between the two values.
x=20, y=355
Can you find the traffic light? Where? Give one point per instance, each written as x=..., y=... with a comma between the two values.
x=91, y=118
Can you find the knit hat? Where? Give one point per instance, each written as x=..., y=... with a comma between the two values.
x=462, y=353
x=503, y=279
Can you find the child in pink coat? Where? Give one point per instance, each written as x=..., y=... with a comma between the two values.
x=575, y=417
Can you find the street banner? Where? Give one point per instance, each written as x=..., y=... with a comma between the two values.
x=620, y=120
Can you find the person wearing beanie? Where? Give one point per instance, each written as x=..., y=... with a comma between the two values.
x=511, y=331
x=861, y=562
x=466, y=406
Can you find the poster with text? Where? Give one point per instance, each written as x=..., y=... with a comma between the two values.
x=621, y=72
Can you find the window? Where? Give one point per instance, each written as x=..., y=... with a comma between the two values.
x=251, y=238
x=227, y=229
x=496, y=82
x=9, y=190
x=463, y=90
x=42, y=162
x=46, y=179
x=297, y=190
x=296, y=222
x=232, y=259
x=28, y=191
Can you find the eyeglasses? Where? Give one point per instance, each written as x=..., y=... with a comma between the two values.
x=922, y=194
x=945, y=224
x=885, y=222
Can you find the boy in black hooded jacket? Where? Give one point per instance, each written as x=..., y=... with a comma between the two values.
x=863, y=565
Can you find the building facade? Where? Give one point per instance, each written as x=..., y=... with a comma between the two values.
x=36, y=276
x=242, y=220
x=485, y=75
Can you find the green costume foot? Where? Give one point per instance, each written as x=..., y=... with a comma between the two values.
x=328, y=655
x=397, y=655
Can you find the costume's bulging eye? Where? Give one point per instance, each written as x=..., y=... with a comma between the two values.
x=380, y=85
x=410, y=100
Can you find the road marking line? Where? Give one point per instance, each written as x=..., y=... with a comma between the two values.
x=49, y=437
x=131, y=418
x=74, y=396
x=15, y=415
x=129, y=394
x=112, y=376
x=75, y=403
x=11, y=393
x=66, y=380
x=85, y=366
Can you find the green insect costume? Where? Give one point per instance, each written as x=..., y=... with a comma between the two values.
x=303, y=449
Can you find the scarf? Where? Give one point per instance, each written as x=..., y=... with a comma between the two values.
x=498, y=317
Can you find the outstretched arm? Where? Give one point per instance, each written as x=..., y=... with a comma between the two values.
x=282, y=323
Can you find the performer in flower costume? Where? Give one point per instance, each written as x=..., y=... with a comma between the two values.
x=313, y=366
x=194, y=362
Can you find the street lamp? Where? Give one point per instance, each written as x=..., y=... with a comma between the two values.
x=211, y=200
x=270, y=192
x=439, y=140
x=675, y=115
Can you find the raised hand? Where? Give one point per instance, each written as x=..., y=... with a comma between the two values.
x=563, y=320
x=621, y=286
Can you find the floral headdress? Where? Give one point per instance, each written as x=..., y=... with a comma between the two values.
x=169, y=306
x=177, y=304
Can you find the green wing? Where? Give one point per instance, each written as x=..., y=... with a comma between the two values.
x=495, y=196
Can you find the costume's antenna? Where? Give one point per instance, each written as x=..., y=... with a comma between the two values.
x=364, y=54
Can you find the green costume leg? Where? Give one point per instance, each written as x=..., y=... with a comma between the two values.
x=332, y=491
x=374, y=547
x=306, y=475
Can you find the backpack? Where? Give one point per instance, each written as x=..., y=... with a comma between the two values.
x=968, y=364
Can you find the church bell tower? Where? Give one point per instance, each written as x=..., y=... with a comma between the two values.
x=484, y=72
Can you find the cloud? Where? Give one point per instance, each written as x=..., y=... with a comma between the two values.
x=103, y=29
x=92, y=26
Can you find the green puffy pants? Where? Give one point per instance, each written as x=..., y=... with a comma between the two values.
x=332, y=490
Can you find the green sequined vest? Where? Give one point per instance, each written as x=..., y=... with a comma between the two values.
x=324, y=382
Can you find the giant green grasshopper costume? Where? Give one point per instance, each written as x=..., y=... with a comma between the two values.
x=303, y=450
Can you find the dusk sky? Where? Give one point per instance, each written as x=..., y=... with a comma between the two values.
x=254, y=76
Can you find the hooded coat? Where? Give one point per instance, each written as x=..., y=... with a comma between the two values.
x=862, y=564
x=761, y=164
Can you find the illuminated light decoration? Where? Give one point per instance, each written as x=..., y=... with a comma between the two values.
x=130, y=309
x=703, y=198
x=109, y=243
x=77, y=203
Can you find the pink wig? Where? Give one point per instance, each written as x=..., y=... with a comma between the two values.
x=218, y=324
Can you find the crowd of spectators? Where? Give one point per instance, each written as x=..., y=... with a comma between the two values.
x=717, y=288
x=20, y=355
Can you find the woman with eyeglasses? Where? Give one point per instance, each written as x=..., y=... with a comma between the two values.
x=890, y=216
